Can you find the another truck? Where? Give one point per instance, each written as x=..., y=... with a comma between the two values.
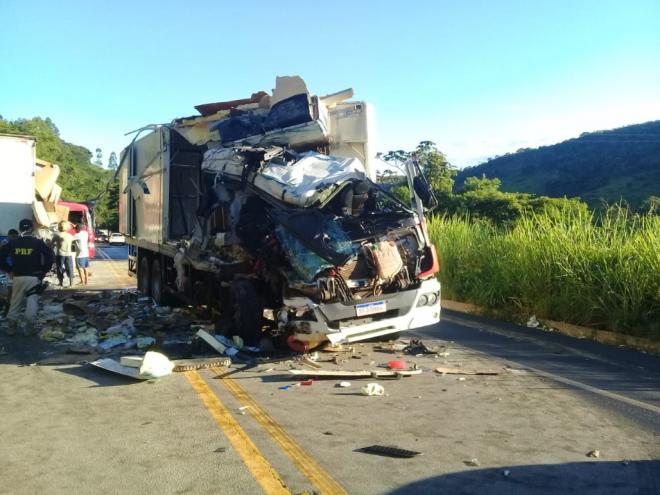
x=264, y=210
x=29, y=189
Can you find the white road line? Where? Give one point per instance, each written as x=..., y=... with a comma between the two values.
x=545, y=374
x=102, y=253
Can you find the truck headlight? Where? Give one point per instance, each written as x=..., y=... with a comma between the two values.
x=428, y=299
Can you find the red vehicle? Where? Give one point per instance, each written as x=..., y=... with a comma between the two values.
x=79, y=213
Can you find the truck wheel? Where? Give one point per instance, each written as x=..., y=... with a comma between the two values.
x=156, y=282
x=143, y=276
x=247, y=308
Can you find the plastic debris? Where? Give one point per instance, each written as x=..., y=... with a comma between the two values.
x=397, y=365
x=474, y=462
x=89, y=337
x=126, y=328
x=533, y=322
x=50, y=335
x=307, y=382
x=155, y=365
x=371, y=389
x=593, y=453
x=143, y=342
x=343, y=384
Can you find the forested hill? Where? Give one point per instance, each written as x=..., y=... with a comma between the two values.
x=80, y=179
x=622, y=163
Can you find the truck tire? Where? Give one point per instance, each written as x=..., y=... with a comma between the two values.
x=143, y=277
x=156, y=282
x=247, y=311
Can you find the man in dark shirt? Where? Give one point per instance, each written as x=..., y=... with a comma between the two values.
x=30, y=259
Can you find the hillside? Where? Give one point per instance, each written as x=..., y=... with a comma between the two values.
x=622, y=163
x=80, y=180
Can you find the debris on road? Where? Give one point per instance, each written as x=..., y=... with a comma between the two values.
x=307, y=361
x=372, y=389
x=131, y=361
x=343, y=384
x=112, y=365
x=389, y=451
x=356, y=374
x=155, y=365
x=181, y=365
x=417, y=347
x=443, y=370
x=397, y=365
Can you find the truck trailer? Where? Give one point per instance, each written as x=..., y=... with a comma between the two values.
x=264, y=210
x=29, y=189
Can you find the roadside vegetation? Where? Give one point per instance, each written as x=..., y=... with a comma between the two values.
x=520, y=255
x=602, y=272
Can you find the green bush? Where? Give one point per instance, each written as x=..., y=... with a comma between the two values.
x=564, y=265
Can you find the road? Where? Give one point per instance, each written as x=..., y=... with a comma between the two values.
x=111, y=252
x=527, y=429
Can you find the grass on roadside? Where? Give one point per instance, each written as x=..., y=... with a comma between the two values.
x=602, y=272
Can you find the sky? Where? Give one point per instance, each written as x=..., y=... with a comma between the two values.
x=478, y=78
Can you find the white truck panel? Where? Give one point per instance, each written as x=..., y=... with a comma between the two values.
x=17, y=162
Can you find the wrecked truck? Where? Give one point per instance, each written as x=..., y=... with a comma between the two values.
x=264, y=211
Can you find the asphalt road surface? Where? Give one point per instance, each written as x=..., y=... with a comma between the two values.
x=113, y=252
x=526, y=429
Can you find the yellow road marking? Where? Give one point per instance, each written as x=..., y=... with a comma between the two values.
x=319, y=477
x=262, y=471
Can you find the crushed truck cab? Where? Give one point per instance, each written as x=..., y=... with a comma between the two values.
x=265, y=210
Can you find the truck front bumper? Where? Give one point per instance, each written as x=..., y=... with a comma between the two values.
x=339, y=323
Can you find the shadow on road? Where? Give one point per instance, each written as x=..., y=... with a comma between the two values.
x=100, y=377
x=583, y=478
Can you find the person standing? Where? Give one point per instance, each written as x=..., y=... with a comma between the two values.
x=12, y=235
x=82, y=252
x=28, y=259
x=63, y=253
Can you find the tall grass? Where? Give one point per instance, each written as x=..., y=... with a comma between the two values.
x=602, y=272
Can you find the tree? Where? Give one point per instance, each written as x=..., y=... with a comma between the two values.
x=112, y=161
x=99, y=158
x=438, y=171
x=434, y=164
x=483, y=185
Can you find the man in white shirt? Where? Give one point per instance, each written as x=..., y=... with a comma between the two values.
x=64, y=253
x=82, y=252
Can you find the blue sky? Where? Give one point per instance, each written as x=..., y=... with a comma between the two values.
x=479, y=78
